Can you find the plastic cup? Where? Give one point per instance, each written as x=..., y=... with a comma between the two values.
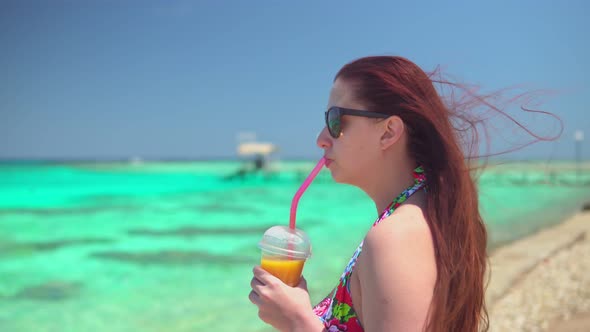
x=284, y=252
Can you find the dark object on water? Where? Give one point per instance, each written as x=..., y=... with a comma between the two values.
x=586, y=206
x=253, y=167
x=49, y=291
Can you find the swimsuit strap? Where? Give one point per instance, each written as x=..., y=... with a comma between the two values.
x=419, y=183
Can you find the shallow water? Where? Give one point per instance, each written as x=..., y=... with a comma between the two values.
x=170, y=246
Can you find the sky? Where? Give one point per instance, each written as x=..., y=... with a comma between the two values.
x=181, y=79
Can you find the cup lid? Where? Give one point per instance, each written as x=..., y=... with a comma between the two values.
x=282, y=240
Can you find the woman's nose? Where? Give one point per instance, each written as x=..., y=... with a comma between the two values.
x=324, y=139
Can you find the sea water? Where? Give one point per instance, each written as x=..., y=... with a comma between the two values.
x=170, y=246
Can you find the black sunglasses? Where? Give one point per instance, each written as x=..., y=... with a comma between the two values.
x=334, y=118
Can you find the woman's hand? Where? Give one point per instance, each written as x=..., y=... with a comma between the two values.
x=284, y=307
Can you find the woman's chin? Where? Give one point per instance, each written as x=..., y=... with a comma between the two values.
x=334, y=175
x=338, y=177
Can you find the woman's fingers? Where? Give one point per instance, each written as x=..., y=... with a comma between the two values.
x=255, y=283
x=254, y=297
x=257, y=287
x=260, y=273
x=258, y=284
x=262, y=285
x=265, y=278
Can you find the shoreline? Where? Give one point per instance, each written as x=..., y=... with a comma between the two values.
x=538, y=283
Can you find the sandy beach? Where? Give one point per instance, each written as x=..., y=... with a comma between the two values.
x=542, y=282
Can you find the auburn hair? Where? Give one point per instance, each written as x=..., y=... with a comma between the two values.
x=396, y=86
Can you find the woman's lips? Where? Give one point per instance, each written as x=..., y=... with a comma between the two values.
x=328, y=162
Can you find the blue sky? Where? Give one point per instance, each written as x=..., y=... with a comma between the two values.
x=180, y=79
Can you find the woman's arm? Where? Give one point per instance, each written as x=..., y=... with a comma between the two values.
x=397, y=273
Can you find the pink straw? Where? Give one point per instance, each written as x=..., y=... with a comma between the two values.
x=302, y=189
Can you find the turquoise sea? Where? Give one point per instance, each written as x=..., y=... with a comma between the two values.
x=169, y=246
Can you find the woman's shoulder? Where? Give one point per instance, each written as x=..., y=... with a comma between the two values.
x=402, y=237
x=406, y=225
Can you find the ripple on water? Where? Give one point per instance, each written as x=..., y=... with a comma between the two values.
x=171, y=257
x=192, y=231
x=17, y=248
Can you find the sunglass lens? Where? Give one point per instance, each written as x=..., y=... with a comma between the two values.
x=333, y=122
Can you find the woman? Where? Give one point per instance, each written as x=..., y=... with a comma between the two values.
x=421, y=266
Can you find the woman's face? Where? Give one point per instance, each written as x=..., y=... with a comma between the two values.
x=350, y=156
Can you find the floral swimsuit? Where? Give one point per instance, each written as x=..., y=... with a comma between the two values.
x=336, y=311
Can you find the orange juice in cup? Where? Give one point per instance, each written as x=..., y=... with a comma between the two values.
x=284, y=252
x=289, y=271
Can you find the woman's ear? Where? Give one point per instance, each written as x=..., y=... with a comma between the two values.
x=393, y=131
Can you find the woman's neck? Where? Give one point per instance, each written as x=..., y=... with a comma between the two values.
x=389, y=184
